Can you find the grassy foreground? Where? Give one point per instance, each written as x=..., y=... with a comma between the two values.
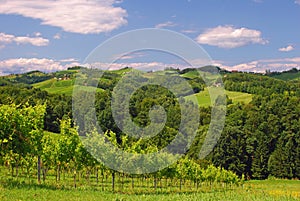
x=251, y=190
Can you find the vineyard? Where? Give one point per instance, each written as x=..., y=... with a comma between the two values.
x=36, y=155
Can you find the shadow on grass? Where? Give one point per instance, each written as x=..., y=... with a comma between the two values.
x=12, y=184
x=159, y=191
x=21, y=184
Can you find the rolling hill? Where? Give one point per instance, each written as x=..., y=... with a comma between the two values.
x=293, y=74
x=64, y=85
x=62, y=82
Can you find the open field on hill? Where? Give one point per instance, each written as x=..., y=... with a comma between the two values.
x=55, y=86
x=204, y=98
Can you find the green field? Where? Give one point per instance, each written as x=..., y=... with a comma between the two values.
x=204, y=98
x=55, y=86
x=191, y=74
x=251, y=190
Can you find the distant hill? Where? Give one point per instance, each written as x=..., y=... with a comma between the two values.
x=33, y=77
x=293, y=74
x=26, y=78
x=239, y=85
x=63, y=83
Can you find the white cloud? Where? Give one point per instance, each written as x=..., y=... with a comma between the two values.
x=165, y=24
x=69, y=60
x=230, y=37
x=188, y=31
x=286, y=49
x=36, y=41
x=281, y=64
x=78, y=16
x=37, y=34
x=132, y=56
x=297, y=2
x=21, y=65
x=57, y=36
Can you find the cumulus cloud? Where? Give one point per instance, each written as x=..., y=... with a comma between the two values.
x=78, y=16
x=281, y=64
x=21, y=65
x=230, y=37
x=165, y=24
x=36, y=41
x=286, y=49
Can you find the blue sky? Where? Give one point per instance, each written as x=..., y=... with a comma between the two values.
x=248, y=35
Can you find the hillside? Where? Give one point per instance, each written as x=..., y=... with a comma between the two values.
x=55, y=86
x=293, y=74
x=64, y=85
x=33, y=77
x=239, y=86
x=287, y=76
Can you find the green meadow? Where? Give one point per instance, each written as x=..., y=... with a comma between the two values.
x=267, y=190
x=204, y=99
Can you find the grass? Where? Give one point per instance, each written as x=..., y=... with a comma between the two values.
x=122, y=71
x=239, y=96
x=202, y=74
x=252, y=190
x=191, y=74
x=203, y=97
x=24, y=188
x=55, y=86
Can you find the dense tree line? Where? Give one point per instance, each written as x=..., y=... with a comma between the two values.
x=262, y=138
x=57, y=106
x=260, y=84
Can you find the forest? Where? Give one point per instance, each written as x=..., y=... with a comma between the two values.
x=260, y=139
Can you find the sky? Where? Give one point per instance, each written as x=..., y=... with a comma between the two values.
x=245, y=35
